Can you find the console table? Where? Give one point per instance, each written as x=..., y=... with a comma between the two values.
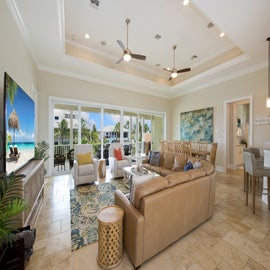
x=32, y=189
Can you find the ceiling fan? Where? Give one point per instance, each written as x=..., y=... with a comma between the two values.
x=127, y=55
x=174, y=71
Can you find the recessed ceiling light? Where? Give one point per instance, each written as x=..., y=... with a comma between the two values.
x=157, y=36
x=210, y=25
x=86, y=36
x=185, y=2
x=103, y=43
x=222, y=34
x=194, y=57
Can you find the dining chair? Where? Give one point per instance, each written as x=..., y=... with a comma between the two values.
x=254, y=178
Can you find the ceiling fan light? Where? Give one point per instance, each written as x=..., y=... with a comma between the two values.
x=185, y=2
x=127, y=57
x=174, y=75
x=222, y=34
x=268, y=102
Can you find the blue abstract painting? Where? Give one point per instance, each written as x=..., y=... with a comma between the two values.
x=197, y=125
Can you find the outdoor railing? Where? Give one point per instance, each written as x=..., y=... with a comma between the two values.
x=62, y=149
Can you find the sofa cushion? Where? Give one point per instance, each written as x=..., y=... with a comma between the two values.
x=154, y=160
x=147, y=166
x=196, y=173
x=207, y=167
x=86, y=169
x=122, y=163
x=165, y=172
x=178, y=178
x=179, y=162
x=161, y=159
x=147, y=188
x=168, y=160
x=137, y=180
x=85, y=158
x=157, y=169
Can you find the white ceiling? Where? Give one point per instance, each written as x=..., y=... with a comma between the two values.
x=54, y=32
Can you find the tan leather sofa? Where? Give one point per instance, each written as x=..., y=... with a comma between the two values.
x=164, y=209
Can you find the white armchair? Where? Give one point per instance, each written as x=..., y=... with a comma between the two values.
x=118, y=162
x=85, y=168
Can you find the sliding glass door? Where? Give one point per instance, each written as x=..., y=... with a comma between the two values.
x=100, y=126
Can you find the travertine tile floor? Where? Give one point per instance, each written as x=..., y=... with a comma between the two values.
x=232, y=239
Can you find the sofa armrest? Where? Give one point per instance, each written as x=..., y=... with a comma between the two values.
x=133, y=228
x=95, y=162
x=113, y=166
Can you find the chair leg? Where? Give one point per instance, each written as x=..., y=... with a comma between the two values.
x=253, y=192
x=268, y=192
x=245, y=179
x=246, y=187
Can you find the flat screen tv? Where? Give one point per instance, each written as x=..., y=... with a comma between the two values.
x=19, y=125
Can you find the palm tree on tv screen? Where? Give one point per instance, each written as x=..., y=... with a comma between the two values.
x=13, y=123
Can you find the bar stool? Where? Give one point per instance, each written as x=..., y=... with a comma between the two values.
x=259, y=160
x=255, y=174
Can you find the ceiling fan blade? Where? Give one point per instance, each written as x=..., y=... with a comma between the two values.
x=120, y=43
x=183, y=70
x=138, y=56
x=167, y=69
x=170, y=78
x=119, y=60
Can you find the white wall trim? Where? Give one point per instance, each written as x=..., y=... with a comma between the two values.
x=226, y=124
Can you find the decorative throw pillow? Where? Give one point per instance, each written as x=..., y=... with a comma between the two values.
x=188, y=166
x=197, y=164
x=155, y=158
x=149, y=156
x=118, y=154
x=85, y=158
x=179, y=162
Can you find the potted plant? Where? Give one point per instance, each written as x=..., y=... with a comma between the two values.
x=41, y=150
x=11, y=206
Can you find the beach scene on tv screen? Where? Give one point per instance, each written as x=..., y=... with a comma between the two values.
x=20, y=126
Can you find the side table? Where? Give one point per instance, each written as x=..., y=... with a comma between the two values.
x=110, y=236
x=102, y=168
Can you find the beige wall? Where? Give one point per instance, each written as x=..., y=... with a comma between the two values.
x=254, y=84
x=64, y=87
x=14, y=56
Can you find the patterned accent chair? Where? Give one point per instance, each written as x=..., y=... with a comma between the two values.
x=118, y=160
x=85, y=166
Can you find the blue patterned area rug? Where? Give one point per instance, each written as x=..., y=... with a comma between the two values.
x=85, y=202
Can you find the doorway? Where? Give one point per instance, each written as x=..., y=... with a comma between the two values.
x=238, y=130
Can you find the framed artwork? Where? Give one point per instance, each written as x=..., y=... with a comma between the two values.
x=197, y=125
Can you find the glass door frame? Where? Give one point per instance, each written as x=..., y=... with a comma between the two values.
x=80, y=103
